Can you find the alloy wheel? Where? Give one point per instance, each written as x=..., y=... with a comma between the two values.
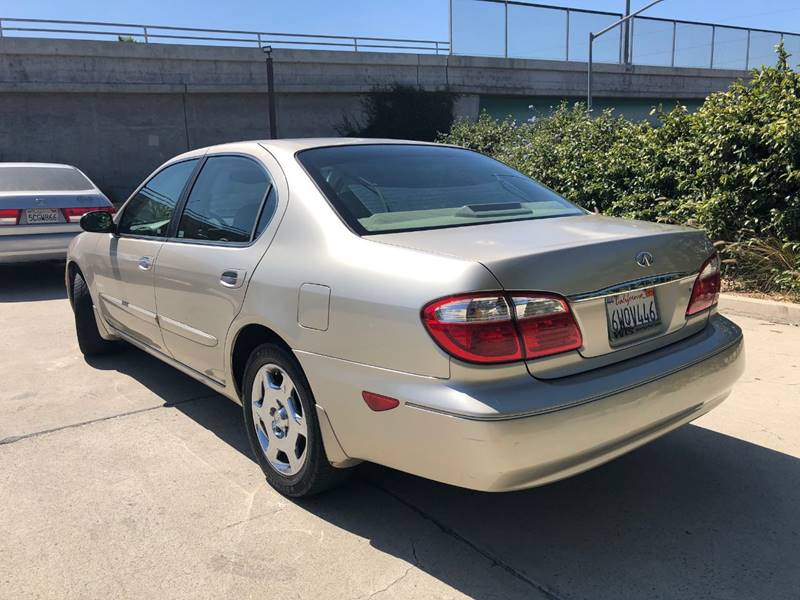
x=279, y=420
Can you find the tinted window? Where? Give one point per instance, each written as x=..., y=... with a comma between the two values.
x=226, y=200
x=149, y=212
x=40, y=178
x=380, y=188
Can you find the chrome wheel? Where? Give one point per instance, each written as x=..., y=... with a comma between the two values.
x=279, y=420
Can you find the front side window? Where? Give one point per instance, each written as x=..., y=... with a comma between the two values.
x=225, y=203
x=150, y=211
x=382, y=188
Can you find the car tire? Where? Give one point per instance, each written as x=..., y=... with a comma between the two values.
x=89, y=340
x=279, y=411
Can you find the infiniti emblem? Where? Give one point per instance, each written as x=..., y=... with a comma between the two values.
x=644, y=259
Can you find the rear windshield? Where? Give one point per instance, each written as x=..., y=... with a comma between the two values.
x=42, y=179
x=383, y=188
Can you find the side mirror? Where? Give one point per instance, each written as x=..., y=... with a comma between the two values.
x=98, y=221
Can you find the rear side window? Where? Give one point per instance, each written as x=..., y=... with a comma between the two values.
x=42, y=178
x=382, y=188
x=226, y=201
x=149, y=212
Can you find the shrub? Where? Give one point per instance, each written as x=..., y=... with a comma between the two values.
x=401, y=111
x=731, y=168
x=767, y=265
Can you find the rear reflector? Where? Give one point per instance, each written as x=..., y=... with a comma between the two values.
x=483, y=328
x=73, y=215
x=379, y=403
x=705, y=292
x=9, y=216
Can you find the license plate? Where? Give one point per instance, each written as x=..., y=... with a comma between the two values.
x=42, y=215
x=631, y=313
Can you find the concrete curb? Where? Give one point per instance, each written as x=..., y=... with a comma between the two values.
x=786, y=313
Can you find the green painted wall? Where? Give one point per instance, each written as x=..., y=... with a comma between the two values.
x=635, y=109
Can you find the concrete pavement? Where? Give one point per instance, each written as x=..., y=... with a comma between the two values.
x=124, y=478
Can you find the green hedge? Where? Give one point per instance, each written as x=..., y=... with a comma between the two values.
x=732, y=167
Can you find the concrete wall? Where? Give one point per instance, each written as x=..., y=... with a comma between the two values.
x=118, y=110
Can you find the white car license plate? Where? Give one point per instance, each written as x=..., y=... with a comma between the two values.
x=42, y=215
x=631, y=313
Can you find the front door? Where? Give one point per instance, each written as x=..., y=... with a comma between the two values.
x=202, y=272
x=125, y=271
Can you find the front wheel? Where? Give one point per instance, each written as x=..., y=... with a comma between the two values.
x=89, y=340
x=281, y=422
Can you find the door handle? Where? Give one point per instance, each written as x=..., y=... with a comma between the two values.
x=232, y=278
x=145, y=263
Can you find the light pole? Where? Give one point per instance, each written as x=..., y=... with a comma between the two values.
x=626, y=36
x=593, y=36
x=273, y=125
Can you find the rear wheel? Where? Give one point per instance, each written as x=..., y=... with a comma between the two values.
x=89, y=340
x=281, y=421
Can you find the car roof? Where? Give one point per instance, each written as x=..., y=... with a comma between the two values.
x=297, y=144
x=292, y=145
x=37, y=164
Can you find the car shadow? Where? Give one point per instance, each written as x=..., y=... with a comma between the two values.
x=694, y=514
x=32, y=282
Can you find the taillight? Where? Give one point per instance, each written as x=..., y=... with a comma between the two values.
x=546, y=324
x=9, y=216
x=495, y=327
x=73, y=215
x=705, y=292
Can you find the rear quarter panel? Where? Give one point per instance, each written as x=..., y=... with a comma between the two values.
x=377, y=290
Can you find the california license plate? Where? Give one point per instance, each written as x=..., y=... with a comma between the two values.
x=42, y=215
x=630, y=314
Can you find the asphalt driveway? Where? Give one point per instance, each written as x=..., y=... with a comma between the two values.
x=122, y=478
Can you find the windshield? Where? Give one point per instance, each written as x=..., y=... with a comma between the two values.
x=39, y=178
x=382, y=188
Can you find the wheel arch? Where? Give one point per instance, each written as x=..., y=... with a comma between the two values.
x=248, y=338
x=251, y=336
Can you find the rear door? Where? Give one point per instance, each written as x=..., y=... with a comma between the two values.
x=203, y=270
x=124, y=271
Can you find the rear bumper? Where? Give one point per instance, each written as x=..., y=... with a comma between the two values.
x=526, y=432
x=35, y=247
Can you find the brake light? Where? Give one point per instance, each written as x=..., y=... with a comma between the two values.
x=705, y=292
x=546, y=324
x=73, y=215
x=9, y=216
x=494, y=327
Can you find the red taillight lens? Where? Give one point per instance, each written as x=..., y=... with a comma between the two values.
x=9, y=216
x=73, y=215
x=546, y=324
x=475, y=327
x=705, y=292
x=483, y=328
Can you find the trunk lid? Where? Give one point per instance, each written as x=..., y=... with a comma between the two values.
x=587, y=259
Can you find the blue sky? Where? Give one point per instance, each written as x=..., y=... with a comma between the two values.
x=478, y=26
x=392, y=18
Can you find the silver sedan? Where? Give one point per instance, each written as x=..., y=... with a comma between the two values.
x=40, y=206
x=420, y=306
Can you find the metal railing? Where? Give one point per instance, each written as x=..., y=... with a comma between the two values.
x=510, y=28
x=187, y=35
x=520, y=29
